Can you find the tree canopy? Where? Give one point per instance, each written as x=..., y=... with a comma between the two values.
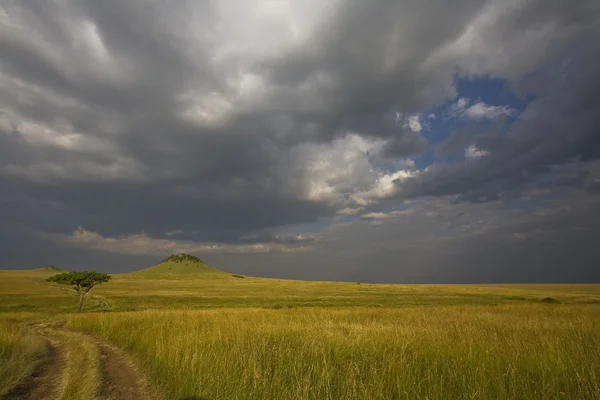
x=82, y=282
x=176, y=258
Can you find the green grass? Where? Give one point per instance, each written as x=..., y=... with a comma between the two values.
x=184, y=269
x=198, y=331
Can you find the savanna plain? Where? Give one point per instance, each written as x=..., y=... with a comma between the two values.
x=185, y=330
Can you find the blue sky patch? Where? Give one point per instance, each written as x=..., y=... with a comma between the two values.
x=492, y=92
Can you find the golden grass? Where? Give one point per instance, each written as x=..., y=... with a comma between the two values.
x=81, y=377
x=253, y=338
x=28, y=291
x=23, y=349
x=479, y=352
x=20, y=352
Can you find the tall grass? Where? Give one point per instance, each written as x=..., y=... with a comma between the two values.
x=81, y=377
x=439, y=352
x=23, y=348
x=20, y=352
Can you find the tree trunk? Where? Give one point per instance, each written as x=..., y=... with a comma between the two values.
x=81, y=294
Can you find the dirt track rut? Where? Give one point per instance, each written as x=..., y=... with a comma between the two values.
x=120, y=379
x=45, y=380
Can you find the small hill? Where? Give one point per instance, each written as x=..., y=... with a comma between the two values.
x=50, y=268
x=181, y=266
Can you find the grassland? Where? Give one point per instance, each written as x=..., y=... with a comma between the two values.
x=20, y=352
x=483, y=352
x=27, y=291
x=217, y=336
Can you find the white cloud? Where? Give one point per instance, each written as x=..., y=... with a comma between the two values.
x=331, y=170
x=385, y=186
x=459, y=107
x=142, y=244
x=478, y=111
x=348, y=172
x=85, y=36
x=481, y=110
x=390, y=215
x=473, y=152
x=413, y=123
x=350, y=211
x=376, y=215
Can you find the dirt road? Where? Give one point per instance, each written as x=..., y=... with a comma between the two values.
x=111, y=373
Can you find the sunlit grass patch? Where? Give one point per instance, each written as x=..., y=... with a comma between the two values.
x=520, y=351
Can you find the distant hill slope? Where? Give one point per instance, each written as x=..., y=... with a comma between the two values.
x=179, y=266
x=49, y=268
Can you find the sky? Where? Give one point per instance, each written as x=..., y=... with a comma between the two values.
x=377, y=141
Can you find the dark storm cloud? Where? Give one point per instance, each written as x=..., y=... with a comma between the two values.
x=464, y=137
x=155, y=210
x=369, y=60
x=409, y=144
x=23, y=249
x=189, y=169
x=492, y=243
x=126, y=117
x=138, y=36
x=560, y=126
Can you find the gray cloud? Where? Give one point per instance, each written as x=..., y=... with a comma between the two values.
x=556, y=128
x=409, y=144
x=543, y=241
x=229, y=122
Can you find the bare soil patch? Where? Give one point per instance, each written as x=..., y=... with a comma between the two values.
x=121, y=380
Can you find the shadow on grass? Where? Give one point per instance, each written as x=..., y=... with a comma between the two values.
x=550, y=300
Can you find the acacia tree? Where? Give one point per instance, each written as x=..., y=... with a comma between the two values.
x=82, y=282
